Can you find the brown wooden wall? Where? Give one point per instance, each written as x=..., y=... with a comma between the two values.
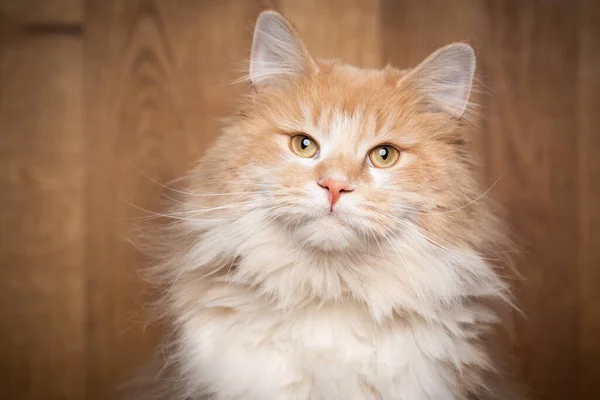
x=92, y=92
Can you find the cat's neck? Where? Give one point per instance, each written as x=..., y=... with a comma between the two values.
x=405, y=273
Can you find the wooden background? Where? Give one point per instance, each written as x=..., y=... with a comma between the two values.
x=95, y=91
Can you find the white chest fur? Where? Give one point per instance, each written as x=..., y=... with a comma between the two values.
x=329, y=353
x=360, y=345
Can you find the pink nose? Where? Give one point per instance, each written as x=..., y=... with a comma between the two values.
x=335, y=188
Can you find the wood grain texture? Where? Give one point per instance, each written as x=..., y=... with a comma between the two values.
x=414, y=29
x=43, y=11
x=587, y=135
x=42, y=306
x=343, y=29
x=100, y=100
x=532, y=116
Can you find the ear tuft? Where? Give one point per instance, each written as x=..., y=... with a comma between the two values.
x=277, y=50
x=445, y=78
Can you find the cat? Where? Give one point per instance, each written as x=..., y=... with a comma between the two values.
x=334, y=242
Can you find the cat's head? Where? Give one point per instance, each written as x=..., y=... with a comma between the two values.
x=338, y=155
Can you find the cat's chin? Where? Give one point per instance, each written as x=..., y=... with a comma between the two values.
x=328, y=234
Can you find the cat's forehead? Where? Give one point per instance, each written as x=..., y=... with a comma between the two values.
x=338, y=124
x=349, y=74
x=352, y=104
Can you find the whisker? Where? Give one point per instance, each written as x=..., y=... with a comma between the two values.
x=222, y=207
x=202, y=194
x=418, y=232
x=472, y=201
x=418, y=211
x=160, y=215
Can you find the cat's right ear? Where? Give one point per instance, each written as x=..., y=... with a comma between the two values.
x=277, y=51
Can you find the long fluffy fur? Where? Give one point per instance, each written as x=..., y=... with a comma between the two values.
x=273, y=297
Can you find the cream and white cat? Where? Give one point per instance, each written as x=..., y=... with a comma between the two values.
x=333, y=243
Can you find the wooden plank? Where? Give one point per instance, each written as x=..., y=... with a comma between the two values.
x=588, y=139
x=41, y=219
x=532, y=141
x=157, y=76
x=344, y=29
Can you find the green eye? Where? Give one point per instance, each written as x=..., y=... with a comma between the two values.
x=304, y=146
x=384, y=156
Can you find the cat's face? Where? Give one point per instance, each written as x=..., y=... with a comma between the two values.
x=346, y=155
x=341, y=156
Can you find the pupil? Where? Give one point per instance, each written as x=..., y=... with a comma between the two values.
x=305, y=143
x=383, y=153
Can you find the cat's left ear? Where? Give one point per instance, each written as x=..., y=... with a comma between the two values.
x=277, y=51
x=445, y=78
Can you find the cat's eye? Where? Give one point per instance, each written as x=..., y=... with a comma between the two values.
x=304, y=146
x=384, y=156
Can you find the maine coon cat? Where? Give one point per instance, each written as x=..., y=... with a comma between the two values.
x=334, y=243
